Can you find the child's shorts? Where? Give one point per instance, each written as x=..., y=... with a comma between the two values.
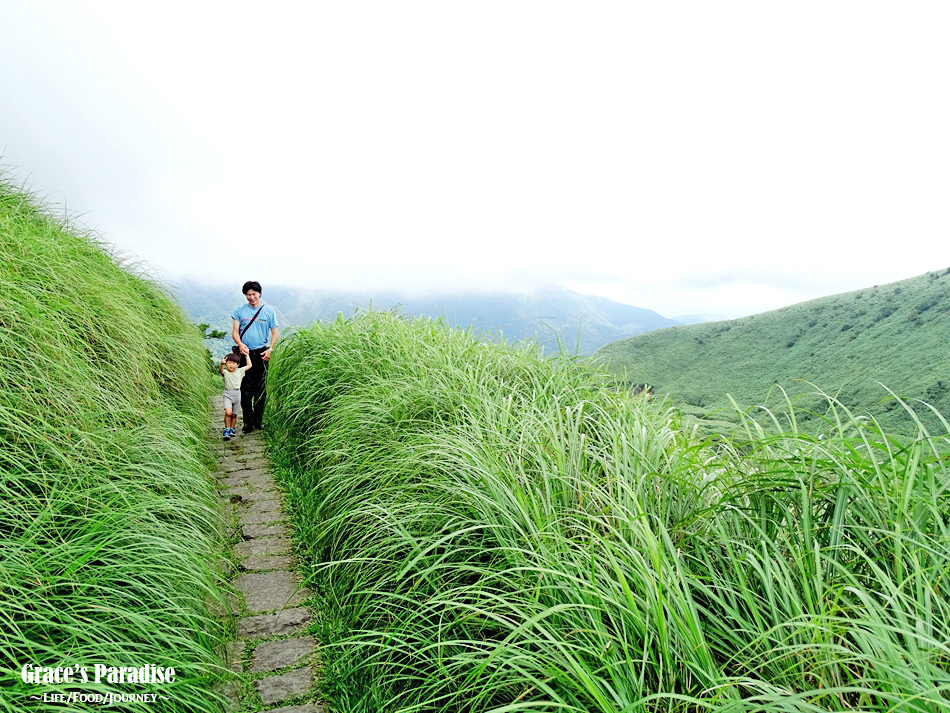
x=232, y=400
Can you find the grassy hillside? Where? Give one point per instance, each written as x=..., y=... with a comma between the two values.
x=109, y=528
x=896, y=334
x=490, y=530
x=581, y=322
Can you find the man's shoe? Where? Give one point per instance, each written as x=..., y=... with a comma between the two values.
x=247, y=428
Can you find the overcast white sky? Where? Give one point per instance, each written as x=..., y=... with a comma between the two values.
x=688, y=157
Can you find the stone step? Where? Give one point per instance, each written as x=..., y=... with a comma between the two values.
x=256, y=532
x=305, y=708
x=281, y=653
x=260, y=518
x=262, y=547
x=259, y=564
x=292, y=684
x=280, y=623
x=267, y=591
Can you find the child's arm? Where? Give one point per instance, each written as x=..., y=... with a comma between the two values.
x=248, y=367
x=221, y=365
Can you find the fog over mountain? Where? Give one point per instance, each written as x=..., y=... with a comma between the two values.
x=582, y=323
x=703, y=318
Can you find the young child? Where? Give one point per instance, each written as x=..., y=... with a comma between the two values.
x=232, y=375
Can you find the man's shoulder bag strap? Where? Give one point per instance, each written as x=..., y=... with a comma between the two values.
x=247, y=326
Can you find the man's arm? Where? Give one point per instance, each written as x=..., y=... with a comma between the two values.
x=236, y=336
x=273, y=341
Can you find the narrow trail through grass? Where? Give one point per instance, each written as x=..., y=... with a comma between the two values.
x=271, y=656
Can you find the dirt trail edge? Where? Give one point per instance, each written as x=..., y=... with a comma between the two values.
x=273, y=661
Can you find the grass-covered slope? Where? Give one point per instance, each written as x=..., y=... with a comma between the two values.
x=107, y=523
x=488, y=530
x=894, y=334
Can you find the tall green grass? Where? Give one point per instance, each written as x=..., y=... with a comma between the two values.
x=490, y=530
x=108, y=526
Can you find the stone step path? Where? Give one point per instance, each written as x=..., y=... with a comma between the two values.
x=272, y=658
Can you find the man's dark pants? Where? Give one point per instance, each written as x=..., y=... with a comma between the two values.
x=253, y=390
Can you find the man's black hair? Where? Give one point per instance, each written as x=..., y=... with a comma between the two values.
x=251, y=285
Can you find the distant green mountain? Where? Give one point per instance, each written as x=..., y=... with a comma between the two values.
x=895, y=334
x=582, y=323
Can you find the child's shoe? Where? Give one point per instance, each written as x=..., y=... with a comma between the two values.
x=227, y=434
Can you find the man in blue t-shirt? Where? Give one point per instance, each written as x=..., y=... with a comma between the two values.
x=255, y=333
